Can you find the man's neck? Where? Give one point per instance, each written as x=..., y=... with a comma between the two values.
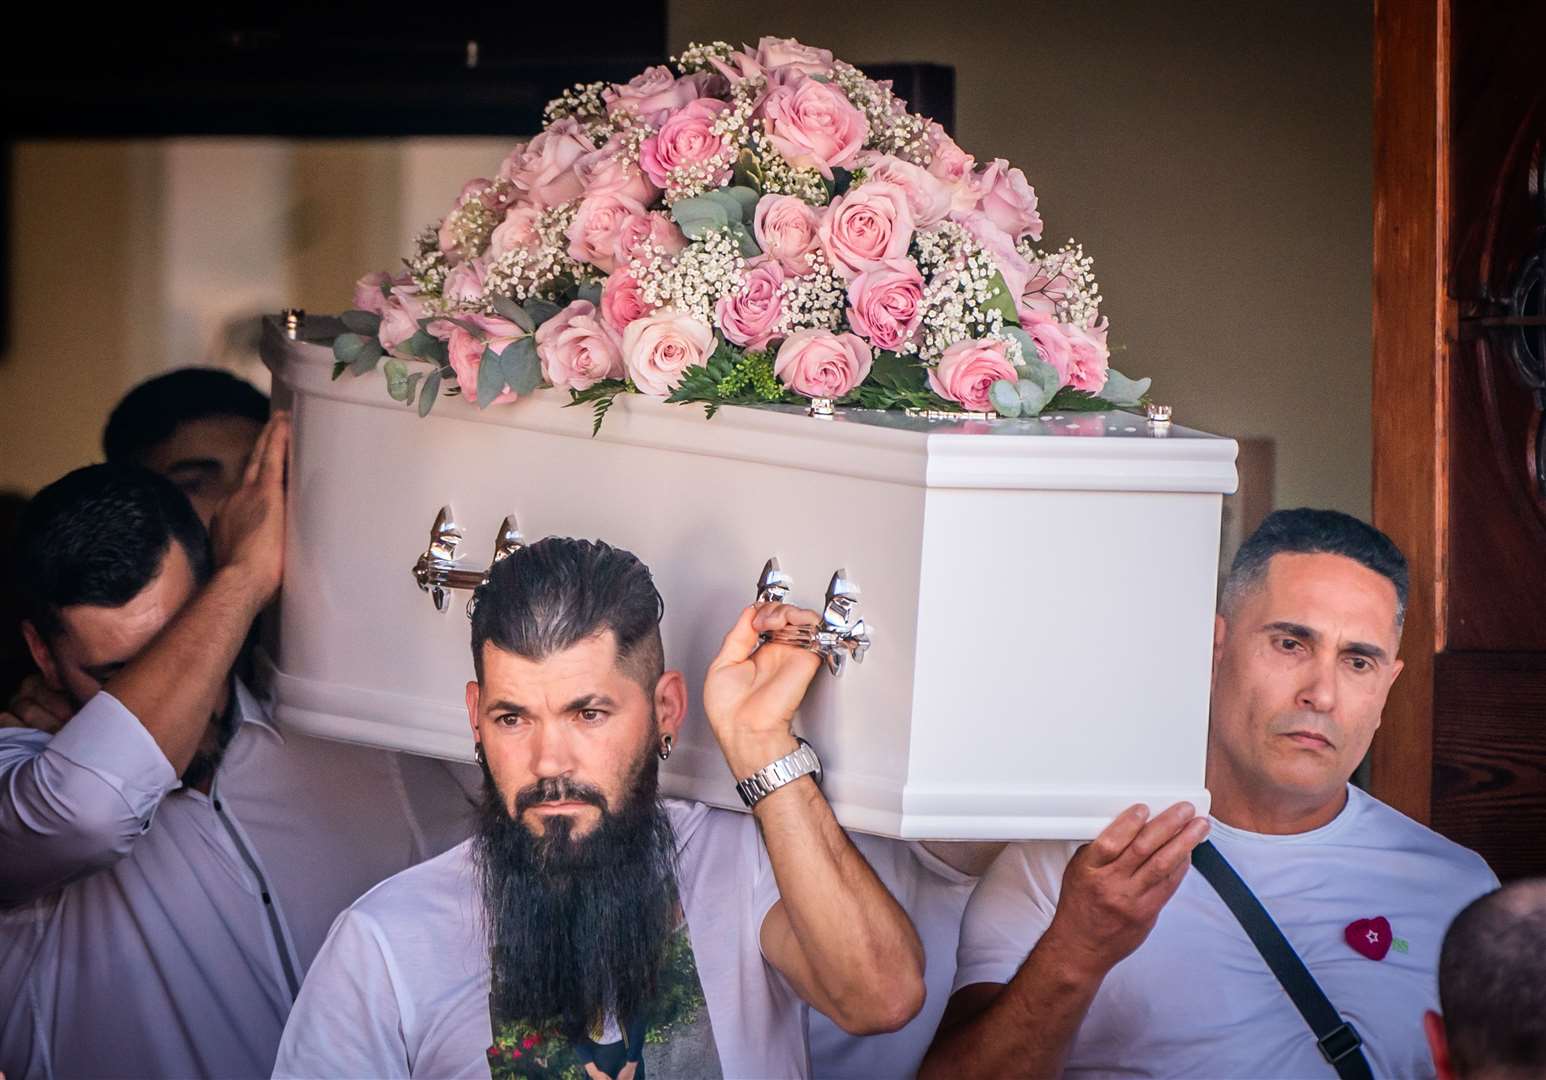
x=1251, y=809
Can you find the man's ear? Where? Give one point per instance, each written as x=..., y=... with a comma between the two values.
x=474, y=695
x=671, y=703
x=41, y=656
x=1220, y=632
x=1438, y=1045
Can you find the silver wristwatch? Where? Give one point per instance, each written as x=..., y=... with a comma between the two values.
x=801, y=761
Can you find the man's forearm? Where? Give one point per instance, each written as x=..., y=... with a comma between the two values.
x=176, y=683
x=1027, y=1028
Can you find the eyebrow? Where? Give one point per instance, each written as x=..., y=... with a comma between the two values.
x=584, y=701
x=198, y=465
x=1357, y=648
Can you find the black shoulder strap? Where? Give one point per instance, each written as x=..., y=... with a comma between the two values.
x=1339, y=1043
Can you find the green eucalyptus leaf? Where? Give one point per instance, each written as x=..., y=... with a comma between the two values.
x=339, y=367
x=1033, y=397
x=842, y=180
x=427, y=395
x=1002, y=302
x=521, y=366
x=491, y=377
x=745, y=240
x=540, y=311
x=590, y=293
x=1028, y=349
x=507, y=308
x=699, y=215
x=347, y=346
x=1004, y=398
x=362, y=322
x=412, y=387
x=1043, y=375
x=1120, y=390
x=362, y=353
x=745, y=199
x=396, y=379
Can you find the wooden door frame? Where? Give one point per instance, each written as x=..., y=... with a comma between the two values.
x=1414, y=324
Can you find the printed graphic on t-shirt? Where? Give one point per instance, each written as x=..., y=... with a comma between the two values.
x=673, y=1038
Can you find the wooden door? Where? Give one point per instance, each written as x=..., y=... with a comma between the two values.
x=1459, y=438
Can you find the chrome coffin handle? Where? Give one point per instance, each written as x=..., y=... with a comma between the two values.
x=842, y=633
x=437, y=571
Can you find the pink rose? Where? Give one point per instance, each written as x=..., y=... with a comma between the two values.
x=1051, y=340
x=471, y=191
x=967, y=371
x=464, y=284
x=466, y=352
x=785, y=228
x=1008, y=200
x=684, y=140
x=953, y=166
x=776, y=52
x=518, y=231
x=370, y=292
x=1044, y=290
x=645, y=234
x=608, y=172
x=545, y=170
x=749, y=316
x=398, y=324
x=997, y=243
x=512, y=162
x=578, y=349
x=659, y=347
x=1089, y=356
x=819, y=363
x=927, y=196
x=652, y=95
x=622, y=301
x=594, y=231
x=885, y=304
x=865, y=227
x=406, y=293
x=814, y=126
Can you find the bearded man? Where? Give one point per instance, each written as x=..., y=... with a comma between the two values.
x=589, y=923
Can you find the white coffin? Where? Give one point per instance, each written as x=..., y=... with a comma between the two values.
x=1040, y=591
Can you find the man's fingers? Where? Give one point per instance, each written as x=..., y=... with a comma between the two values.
x=772, y=617
x=740, y=642
x=37, y=717
x=272, y=469
x=255, y=459
x=1172, y=859
x=1156, y=834
x=1114, y=838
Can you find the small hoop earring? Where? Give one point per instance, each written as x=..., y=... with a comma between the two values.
x=665, y=747
x=477, y=753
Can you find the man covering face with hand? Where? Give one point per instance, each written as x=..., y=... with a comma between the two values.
x=590, y=924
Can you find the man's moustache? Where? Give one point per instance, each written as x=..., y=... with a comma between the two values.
x=557, y=789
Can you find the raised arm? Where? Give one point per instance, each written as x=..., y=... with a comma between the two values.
x=1112, y=893
x=836, y=934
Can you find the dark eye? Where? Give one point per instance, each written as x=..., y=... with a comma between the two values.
x=1289, y=644
x=507, y=719
x=592, y=716
x=1361, y=663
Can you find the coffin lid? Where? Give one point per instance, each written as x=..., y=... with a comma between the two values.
x=1103, y=451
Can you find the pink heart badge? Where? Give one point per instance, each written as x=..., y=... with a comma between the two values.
x=1370, y=937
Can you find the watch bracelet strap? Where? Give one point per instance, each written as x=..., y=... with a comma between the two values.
x=801, y=761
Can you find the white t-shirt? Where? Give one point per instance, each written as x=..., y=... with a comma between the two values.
x=1196, y=998
x=934, y=895
x=401, y=986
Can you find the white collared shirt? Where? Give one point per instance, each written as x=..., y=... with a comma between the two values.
x=153, y=931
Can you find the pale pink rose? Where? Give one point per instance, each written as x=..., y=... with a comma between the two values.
x=865, y=227
x=969, y=369
x=500, y=196
x=927, y=195
x=685, y=139
x=464, y=283
x=608, y=172
x=398, y=324
x=1008, y=199
x=466, y=352
x=652, y=95
x=1089, y=356
x=578, y=349
x=512, y=162
x=370, y=292
x=471, y=191
x=545, y=171
x=785, y=227
x=885, y=304
x=953, y=166
x=814, y=125
x=1051, y=339
x=997, y=243
x=659, y=347
x=518, y=231
x=406, y=294
x=776, y=52
x=749, y=316
x=642, y=235
x=1044, y=290
x=594, y=231
x=742, y=66
x=819, y=363
x=622, y=300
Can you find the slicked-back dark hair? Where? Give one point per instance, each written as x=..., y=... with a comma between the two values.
x=148, y=414
x=1316, y=532
x=1492, y=983
x=557, y=592
x=98, y=536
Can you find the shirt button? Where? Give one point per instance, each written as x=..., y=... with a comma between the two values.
x=145, y=825
x=217, y=806
x=266, y=899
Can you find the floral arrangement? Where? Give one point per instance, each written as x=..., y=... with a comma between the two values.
x=744, y=226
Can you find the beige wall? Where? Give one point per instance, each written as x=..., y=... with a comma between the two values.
x=1214, y=158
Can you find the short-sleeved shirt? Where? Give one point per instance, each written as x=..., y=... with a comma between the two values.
x=1196, y=998
x=401, y=987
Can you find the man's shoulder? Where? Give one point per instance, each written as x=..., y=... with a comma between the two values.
x=422, y=893
x=1385, y=827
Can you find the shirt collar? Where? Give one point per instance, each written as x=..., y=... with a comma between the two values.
x=249, y=710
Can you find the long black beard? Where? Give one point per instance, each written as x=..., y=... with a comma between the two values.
x=578, y=927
